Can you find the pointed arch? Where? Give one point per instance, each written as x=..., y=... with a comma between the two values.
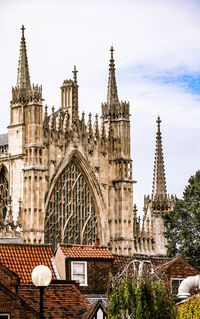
x=4, y=190
x=74, y=204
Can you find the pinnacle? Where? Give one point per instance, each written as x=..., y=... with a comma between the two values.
x=75, y=74
x=23, y=78
x=159, y=183
x=112, y=95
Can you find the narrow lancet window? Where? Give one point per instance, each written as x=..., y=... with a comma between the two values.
x=3, y=192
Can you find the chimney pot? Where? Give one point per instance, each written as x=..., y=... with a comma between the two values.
x=97, y=242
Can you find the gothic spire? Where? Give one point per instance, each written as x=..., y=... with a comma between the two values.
x=23, y=78
x=159, y=183
x=112, y=96
x=75, y=74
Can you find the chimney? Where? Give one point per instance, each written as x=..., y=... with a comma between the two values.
x=90, y=242
x=97, y=242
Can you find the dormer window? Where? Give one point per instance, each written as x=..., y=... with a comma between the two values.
x=79, y=272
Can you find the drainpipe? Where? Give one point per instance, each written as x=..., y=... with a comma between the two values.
x=186, y=285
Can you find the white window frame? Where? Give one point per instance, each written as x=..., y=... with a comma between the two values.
x=171, y=279
x=72, y=267
x=5, y=314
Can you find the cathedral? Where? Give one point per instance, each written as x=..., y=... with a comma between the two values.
x=64, y=179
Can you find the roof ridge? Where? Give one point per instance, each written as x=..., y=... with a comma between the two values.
x=26, y=244
x=84, y=246
x=81, y=295
x=9, y=270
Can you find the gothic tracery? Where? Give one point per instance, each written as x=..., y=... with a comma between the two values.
x=3, y=191
x=70, y=215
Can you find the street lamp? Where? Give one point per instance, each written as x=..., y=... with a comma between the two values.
x=41, y=278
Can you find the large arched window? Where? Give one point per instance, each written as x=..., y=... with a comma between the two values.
x=70, y=214
x=3, y=191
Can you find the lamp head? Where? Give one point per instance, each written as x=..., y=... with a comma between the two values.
x=41, y=276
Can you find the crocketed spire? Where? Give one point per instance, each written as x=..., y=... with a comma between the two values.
x=159, y=183
x=112, y=96
x=23, y=78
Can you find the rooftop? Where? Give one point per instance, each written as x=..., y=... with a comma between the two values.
x=23, y=258
x=60, y=300
x=85, y=251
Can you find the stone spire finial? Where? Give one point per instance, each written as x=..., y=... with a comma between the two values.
x=96, y=127
x=112, y=96
x=159, y=183
x=75, y=74
x=89, y=125
x=23, y=78
x=103, y=131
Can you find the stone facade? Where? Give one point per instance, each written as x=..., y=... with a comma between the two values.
x=70, y=180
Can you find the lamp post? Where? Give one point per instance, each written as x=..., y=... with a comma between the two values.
x=41, y=278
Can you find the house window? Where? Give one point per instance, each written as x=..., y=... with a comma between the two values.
x=175, y=283
x=4, y=316
x=100, y=314
x=79, y=272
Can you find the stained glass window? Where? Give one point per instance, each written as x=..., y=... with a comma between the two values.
x=70, y=215
x=3, y=191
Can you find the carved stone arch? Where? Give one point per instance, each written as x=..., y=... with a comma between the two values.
x=74, y=208
x=4, y=190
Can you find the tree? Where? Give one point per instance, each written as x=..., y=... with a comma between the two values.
x=183, y=224
x=139, y=298
x=189, y=309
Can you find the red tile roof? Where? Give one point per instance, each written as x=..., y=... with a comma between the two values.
x=21, y=302
x=170, y=262
x=60, y=300
x=85, y=251
x=23, y=258
x=121, y=261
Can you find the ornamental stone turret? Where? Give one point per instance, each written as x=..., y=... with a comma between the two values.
x=116, y=123
x=160, y=201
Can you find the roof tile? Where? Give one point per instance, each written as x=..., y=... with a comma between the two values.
x=85, y=251
x=23, y=258
x=60, y=301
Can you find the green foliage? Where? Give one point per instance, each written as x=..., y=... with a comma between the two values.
x=183, y=224
x=139, y=299
x=144, y=301
x=122, y=298
x=163, y=304
x=189, y=309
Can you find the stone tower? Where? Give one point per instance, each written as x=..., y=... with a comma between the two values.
x=159, y=201
x=25, y=141
x=116, y=122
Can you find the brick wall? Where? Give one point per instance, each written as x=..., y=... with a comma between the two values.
x=8, y=280
x=14, y=307
x=179, y=269
x=98, y=272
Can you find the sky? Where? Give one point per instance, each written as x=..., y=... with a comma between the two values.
x=157, y=58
